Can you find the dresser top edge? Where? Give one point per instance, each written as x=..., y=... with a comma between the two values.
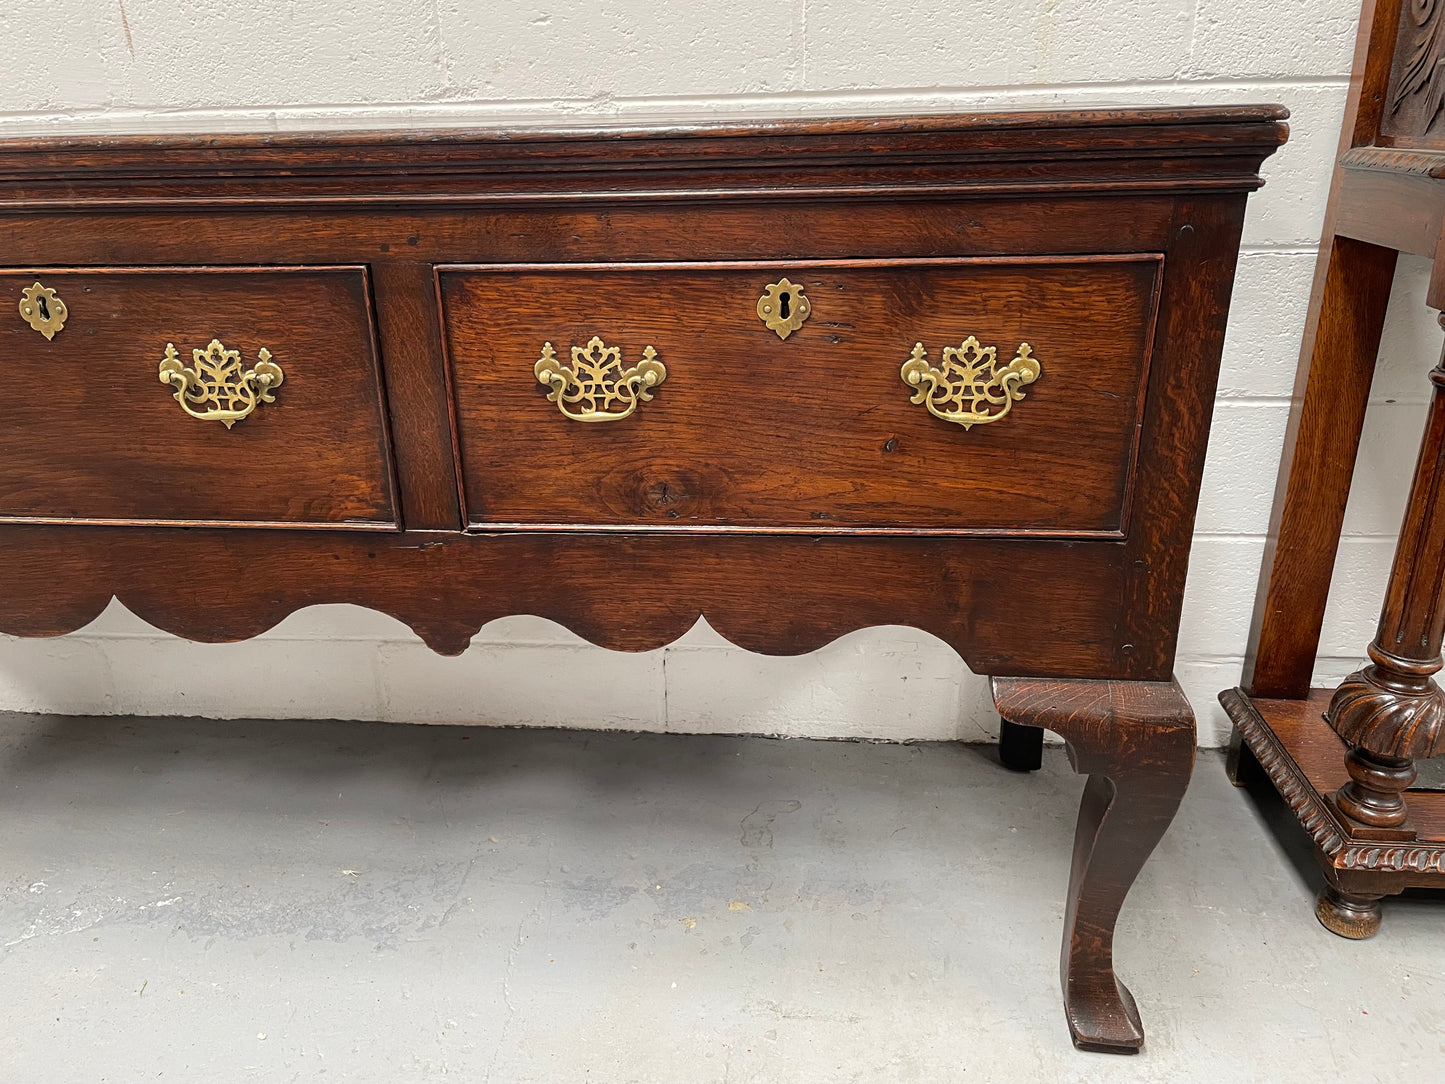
x=710, y=126
x=1157, y=131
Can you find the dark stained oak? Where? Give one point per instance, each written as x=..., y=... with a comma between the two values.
x=816, y=430
x=1322, y=439
x=1305, y=760
x=1387, y=196
x=845, y=226
x=88, y=431
x=1392, y=711
x=786, y=490
x=780, y=595
x=1138, y=151
x=1200, y=259
x=416, y=391
x=1135, y=741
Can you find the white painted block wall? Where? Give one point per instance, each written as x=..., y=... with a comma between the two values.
x=205, y=65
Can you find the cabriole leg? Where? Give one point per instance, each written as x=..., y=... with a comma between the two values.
x=1135, y=741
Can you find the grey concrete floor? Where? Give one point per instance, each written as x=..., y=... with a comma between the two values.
x=204, y=901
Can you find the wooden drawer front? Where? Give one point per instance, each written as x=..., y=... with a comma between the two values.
x=816, y=431
x=88, y=430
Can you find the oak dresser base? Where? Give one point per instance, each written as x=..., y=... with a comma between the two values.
x=797, y=377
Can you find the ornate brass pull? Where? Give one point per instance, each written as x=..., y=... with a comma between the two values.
x=43, y=310
x=217, y=383
x=597, y=381
x=970, y=382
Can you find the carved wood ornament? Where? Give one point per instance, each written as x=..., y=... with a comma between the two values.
x=1424, y=67
x=1344, y=757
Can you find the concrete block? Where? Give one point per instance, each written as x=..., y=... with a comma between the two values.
x=65, y=675
x=1356, y=593
x=1412, y=341
x=1239, y=473
x=53, y=58
x=1266, y=323
x=116, y=620
x=1290, y=209
x=51, y=61
x=1288, y=37
x=981, y=43
x=1219, y=596
x=598, y=52
x=527, y=629
x=523, y=685
x=1202, y=679
x=184, y=54
x=340, y=622
x=1223, y=575
x=254, y=679
x=1330, y=670
x=1386, y=463
x=891, y=684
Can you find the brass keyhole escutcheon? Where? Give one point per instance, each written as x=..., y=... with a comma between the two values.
x=43, y=310
x=783, y=308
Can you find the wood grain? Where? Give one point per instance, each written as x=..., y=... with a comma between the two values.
x=1135, y=742
x=1189, y=341
x=857, y=226
x=1385, y=197
x=417, y=394
x=1015, y=607
x=1138, y=150
x=1314, y=758
x=1322, y=439
x=88, y=431
x=787, y=491
x=815, y=431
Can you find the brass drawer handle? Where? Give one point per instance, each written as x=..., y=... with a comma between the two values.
x=217, y=383
x=596, y=383
x=970, y=382
x=43, y=310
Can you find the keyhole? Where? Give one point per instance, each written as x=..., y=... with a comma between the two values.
x=784, y=299
x=44, y=308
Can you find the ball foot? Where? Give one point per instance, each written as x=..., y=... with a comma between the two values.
x=1354, y=917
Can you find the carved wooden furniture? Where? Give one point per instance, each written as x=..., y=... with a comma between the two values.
x=800, y=378
x=1343, y=758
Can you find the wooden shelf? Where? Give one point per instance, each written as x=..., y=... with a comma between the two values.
x=1305, y=760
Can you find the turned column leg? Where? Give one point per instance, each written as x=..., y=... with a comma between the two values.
x=1135, y=741
x=1392, y=711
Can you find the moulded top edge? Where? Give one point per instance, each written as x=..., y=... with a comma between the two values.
x=703, y=127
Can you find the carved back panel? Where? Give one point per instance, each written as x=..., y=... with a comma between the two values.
x=1414, y=105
